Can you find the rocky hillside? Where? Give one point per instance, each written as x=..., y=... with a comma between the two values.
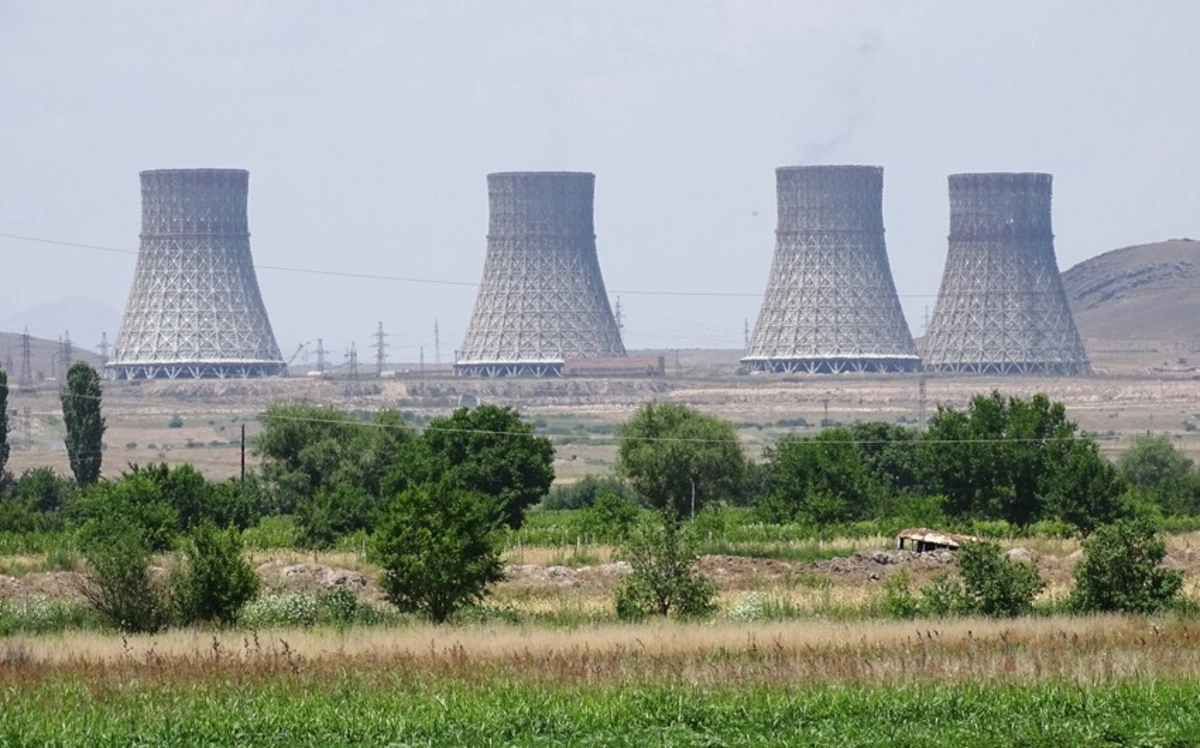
x=1140, y=294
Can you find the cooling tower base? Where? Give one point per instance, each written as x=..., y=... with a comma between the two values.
x=1014, y=368
x=207, y=370
x=834, y=365
x=543, y=369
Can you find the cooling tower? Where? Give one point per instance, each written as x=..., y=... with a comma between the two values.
x=194, y=310
x=542, y=299
x=1001, y=308
x=831, y=305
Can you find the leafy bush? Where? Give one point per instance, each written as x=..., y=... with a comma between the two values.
x=995, y=585
x=662, y=580
x=335, y=607
x=1120, y=570
x=584, y=492
x=175, y=422
x=217, y=581
x=610, y=517
x=439, y=550
x=119, y=585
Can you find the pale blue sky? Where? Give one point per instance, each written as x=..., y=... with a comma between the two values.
x=369, y=127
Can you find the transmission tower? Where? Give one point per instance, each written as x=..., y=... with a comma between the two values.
x=352, y=361
x=320, y=355
x=619, y=316
x=381, y=347
x=103, y=346
x=25, y=381
x=437, y=343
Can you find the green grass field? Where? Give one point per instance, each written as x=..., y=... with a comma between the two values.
x=411, y=709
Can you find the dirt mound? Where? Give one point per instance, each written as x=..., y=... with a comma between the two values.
x=293, y=578
x=1149, y=292
x=64, y=586
x=532, y=575
x=876, y=565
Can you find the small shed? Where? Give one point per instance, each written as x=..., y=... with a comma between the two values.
x=923, y=540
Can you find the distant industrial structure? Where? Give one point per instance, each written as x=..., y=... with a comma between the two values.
x=1001, y=308
x=194, y=310
x=542, y=299
x=831, y=305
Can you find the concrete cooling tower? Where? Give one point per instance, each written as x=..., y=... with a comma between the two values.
x=194, y=311
x=831, y=306
x=1001, y=308
x=542, y=300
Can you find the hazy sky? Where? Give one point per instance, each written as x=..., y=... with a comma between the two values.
x=368, y=129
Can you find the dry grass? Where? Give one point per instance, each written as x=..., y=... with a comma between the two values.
x=1080, y=650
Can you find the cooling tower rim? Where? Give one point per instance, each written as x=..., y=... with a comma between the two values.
x=203, y=170
x=830, y=168
x=1014, y=177
x=530, y=174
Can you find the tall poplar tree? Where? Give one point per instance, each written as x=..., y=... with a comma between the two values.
x=4, y=448
x=85, y=425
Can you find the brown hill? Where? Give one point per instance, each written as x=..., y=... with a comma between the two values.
x=1141, y=294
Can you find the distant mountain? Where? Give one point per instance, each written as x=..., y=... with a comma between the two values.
x=85, y=319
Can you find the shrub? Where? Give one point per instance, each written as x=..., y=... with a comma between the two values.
x=175, y=422
x=1120, y=570
x=439, y=550
x=610, y=517
x=995, y=585
x=662, y=580
x=584, y=492
x=217, y=582
x=898, y=599
x=118, y=584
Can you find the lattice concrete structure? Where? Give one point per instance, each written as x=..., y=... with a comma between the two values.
x=831, y=305
x=195, y=310
x=1002, y=308
x=542, y=300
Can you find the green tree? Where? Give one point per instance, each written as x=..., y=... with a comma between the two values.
x=4, y=446
x=313, y=456
x=663, y=579
x=822, y=479
x=890, y=452
x=1162, y=473
x=217, y=581
x=680, y=459
x=995, y=585
x=85, y=425
x=135, y=500
x=1083, y=488
x=486, y=450
x=439, y=549
x=1120, y=570
x=44, y=490
x=1002, y=458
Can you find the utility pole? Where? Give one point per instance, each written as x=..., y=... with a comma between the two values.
x=320, y=356
x=25, y=381
x=422, y=364
x=66, y=353
x=921, y=405
x=243, y=452
x=437, y=344
x=380, y=351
